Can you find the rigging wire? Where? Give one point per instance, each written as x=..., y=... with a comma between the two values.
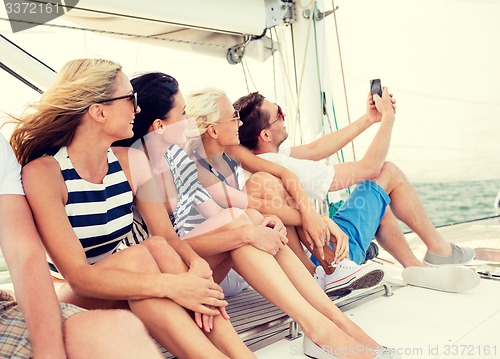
x=120, y=15
x=245, y=77
x=246, y=70
x=124, y=34
x=28, y=54
x=285, y=70
x=318, y=73
x=299, y=90
x=298, y=82
x=298, y=123
x=343, y=74
x=340, y=153
x=20, y=77
x=274, y=63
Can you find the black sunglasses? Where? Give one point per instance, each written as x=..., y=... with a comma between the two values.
x=132, y=97
x=281, y=117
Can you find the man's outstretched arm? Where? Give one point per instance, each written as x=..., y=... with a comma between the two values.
x=350, y=173
x=331, y=143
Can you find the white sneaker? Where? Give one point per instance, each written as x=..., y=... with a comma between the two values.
x=446, y=279
x=350, y=276
x=319, y=276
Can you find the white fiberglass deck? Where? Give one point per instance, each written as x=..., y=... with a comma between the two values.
x=422, y=323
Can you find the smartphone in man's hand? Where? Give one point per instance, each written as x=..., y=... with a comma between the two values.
x=375, y=87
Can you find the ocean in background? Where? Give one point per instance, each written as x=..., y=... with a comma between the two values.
x=453, y=202
x=446, y=203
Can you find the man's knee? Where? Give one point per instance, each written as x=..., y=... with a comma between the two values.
x=392, y=169
x=390, y=176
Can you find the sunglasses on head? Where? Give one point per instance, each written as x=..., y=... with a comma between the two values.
x=132, y=97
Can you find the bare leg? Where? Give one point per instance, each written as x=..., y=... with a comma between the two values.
x=225, y=220
x=406, y=206
x=318, y=299
x=392, y=239
x=224, y=337
x=264, y=185
x=106, y=334
x=223, y=334
x=160, y=251
x=296, y=246
x=272, y=282
x=166, y=321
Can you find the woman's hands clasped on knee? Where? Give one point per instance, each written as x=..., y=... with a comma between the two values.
x=198, y=292
x=274, y=223
x=206, y=321
x=265, y=238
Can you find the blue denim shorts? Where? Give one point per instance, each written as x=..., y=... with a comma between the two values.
x=359, y=217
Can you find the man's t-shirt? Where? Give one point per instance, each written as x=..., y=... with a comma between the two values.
x=314, y=176
x=10, y=173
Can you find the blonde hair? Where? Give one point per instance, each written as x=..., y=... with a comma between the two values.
x=55, y=118
x=202, y=108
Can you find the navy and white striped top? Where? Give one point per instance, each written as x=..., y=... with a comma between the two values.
x=100, y=214
x=190, y=193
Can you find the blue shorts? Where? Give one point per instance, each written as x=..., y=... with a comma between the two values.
x=359, y=217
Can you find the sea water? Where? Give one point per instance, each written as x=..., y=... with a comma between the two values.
x=449, y=202
x=453, y=202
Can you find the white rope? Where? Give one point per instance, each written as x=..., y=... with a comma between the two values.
x=302, y=71
x=343, y=75
x=285, y=70
x=245, y=77
x=245, y=65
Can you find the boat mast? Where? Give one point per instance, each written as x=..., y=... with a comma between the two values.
x=305, y=56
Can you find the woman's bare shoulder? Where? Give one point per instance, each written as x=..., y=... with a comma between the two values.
x=135, y=165
x=46, y=165
x=43, y=176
